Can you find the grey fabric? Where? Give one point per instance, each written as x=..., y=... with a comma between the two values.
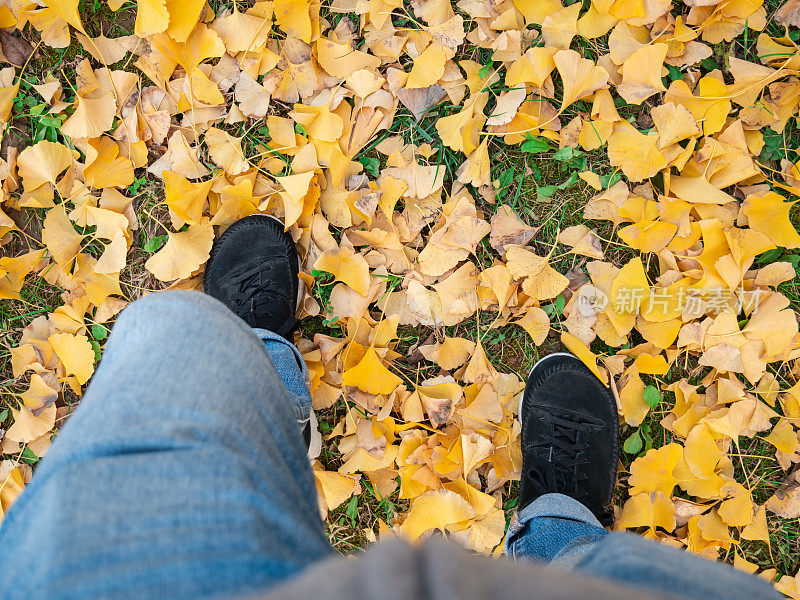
x=441, y=571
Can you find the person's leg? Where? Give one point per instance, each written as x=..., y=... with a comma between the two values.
x=181, y=474
x=553, y=526
x=569, y=449
x=292, y=370
x=561, y=531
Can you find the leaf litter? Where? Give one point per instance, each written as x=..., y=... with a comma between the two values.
x=689, y=312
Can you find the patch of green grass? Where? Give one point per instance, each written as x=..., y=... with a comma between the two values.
x=153, y=221
x=37, y=298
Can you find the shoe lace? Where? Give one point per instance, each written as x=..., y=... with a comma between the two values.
x=252, y=299
x=565, y=451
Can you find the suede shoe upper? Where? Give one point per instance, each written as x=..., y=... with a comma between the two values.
x=569, y=435
x=253, y=269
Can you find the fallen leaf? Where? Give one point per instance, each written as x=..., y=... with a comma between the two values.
x=75, y=353
x=183, y=253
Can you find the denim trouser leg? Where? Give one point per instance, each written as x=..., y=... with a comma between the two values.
x=554, y=527
x=182, y=474
x=557, y=529
x=291, y=369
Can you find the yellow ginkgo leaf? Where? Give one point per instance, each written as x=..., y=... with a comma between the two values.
x=428, y=67
x=628, y=292
x=783, y=437
x=701, y=452
x=648, y=236
x=105, y=167
x=654, y=472
x=334, y=488
x=546, y=284
x=107, y=222
x=652, y=510
x=647, y=364
x=641, y=73
x=757, y=529
x=634, y=152
x=484, y=533
x=151, y=17
x=769, y=214
x=475, y=170
x=242, y=31
x=698, y=190
x=92, y=117
x=202, y=44
x=536, y=323
x=237, y=202
x=523, y=263
x=507, y=104
x=7, y=95
x=581, y=77
x=67, y=10
x=107, y=50
x=592, y=179
x=113, y=257
x=736, y=509
x=631, y=398
x=253, y=98
x=535, y=12
x=184, y=198
x=75, y=353
x=483, y=410
x=346, y=266
x=534, y=67
x=674, y=123
x=60, y=237
x=586, y=356
x=295, y=188
x=475, y=449
x=40, y=394
x=181, y=157
x=226, y=151
x=183, y=16
x=479, y=369
x=28, y=425
x=451, y=353
x=439, y=400
x=183, y=253
x=294, y=18
x=371, y=376
x=43, y=163
x=341, y=60
x=582, y=240
x=10, y=489
x=436, y=509
x=709, y=104
x=559, y=27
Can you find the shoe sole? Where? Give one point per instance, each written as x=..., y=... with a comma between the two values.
x=537, y=364
x=274, y=218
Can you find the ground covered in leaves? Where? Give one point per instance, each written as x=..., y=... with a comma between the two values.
x=470, y=185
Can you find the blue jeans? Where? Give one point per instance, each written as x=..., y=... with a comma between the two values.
x=183, y=475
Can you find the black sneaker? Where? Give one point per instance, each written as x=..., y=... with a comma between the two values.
x=253, y=270
x=570, y=434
